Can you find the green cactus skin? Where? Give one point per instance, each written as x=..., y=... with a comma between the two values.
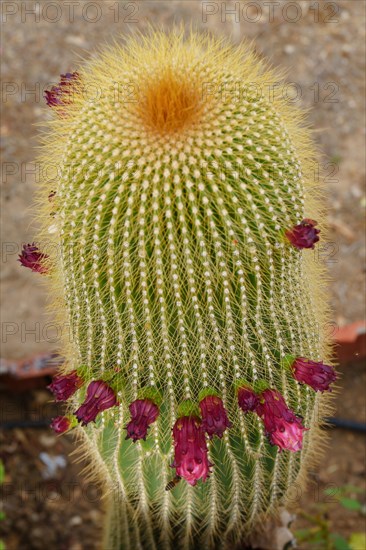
x=176, y=185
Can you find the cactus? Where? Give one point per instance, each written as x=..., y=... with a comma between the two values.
x=182, y=190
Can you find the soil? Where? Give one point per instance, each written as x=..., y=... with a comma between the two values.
x=324, y=55
x=44, y=509
x=343, y=463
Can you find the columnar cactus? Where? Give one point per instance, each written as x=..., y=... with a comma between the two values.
x=182, y=216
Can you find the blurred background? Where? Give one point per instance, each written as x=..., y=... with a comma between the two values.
x=47, y=504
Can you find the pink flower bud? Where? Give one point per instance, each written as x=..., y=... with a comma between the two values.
x=247, y=399
x=99, y=397
x=214, y=416
x=60, y=424
x=283, y=427
x=62, y=94
x=303, y=235
x=33, y=258
x=316, y=375
x=64, y=386
x=143, y=413
x=190, y=450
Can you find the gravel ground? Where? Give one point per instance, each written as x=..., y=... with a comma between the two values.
x=322, y=45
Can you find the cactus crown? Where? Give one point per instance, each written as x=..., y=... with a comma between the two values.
x=176, y=183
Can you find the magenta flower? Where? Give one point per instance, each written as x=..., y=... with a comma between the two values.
x=62, y=94
x=303, y=235
x=33, y=258
x=99, y=397
x=190, y=450
x=60, y=424
x=316, y=375
x=248, y=400
x=64, y=386
x=283, y=427
x=143, y=413
x=214, y=416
